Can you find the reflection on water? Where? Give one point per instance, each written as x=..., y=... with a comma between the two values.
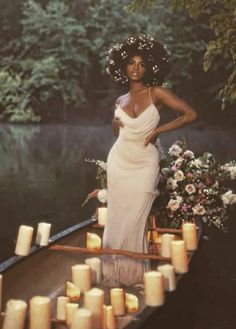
x=44, y=177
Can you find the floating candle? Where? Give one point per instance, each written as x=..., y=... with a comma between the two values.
x=118, y=300
x=61, y=307
x=24, y=239
x=169, y=276
x=94, y=301
x=40, y=313
x=15, y=314
x=95, y=265
x=165, y=244
x=154, y=288
x=189, y=231
x=102, y=215
x=43, y=234
x=82, y=319
x=81, y=276
x=94, y=242
x=179, y=256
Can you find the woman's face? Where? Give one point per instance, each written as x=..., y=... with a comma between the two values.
x=135, y=68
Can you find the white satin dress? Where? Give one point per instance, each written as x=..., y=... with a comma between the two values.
x=132, y=173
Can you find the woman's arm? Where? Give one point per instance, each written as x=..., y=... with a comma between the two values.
x=165, y=97
x=116, y=122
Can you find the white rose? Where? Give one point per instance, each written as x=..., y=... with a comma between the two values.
x=190, y=189
x=189, y=154
x=179, y=162
x=175, y=150
x=174, y=204
x=179, y=175
x=196, y=163
x=172, y=183
x=199, y=210
x=102, y=165
x=102, y=195
x=228, y=198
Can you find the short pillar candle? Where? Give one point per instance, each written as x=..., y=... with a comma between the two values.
x=81, y=276
x=165, y=244
x=179, y=256
x=102, y=215
x=189, y=231
x=96, y=269
x=169, y=276
x=40, y=313
x=71, y=309
x=94, y=301
x=15, y=314
x=118, y=300
x=24, y=239
x=82, y=319
x=154, y=288
x=43, y=234
x=93, y=241
x=61, y=307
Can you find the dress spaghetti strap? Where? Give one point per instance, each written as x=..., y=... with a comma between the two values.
x=149, y=92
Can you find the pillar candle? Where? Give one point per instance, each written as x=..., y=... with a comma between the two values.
x=1, y=280
x=154, y=288
x=94, y=242
x=169, y=276
x=93, y=301
x=61, y=307
x=15, y=314
x=118, y=300
x=71, y=309
x=81, y=276
x=43, y=234
x=179, y=256
x=82, y=319
x=102, y=216
x=108, y=317
x=131, y=303
x=189, y=231
x=96, y=269
x=40, y=313
x=24, y=239
x=165, y=244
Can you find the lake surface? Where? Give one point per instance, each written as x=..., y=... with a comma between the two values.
x=43, y=175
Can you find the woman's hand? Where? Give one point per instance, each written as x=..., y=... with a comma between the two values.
x=151, y=138
x=117, y=123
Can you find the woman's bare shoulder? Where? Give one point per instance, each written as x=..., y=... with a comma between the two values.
x=120, y=98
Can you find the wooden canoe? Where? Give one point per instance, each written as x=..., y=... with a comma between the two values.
x=45, y=271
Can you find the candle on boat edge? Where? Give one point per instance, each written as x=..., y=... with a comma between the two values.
x=61, y=307
x=189, y=231
x=117, y=296
x=154, y=288
x=179, y=257
x=43, y=233
x=109, y=321
x=93, y=241
x=82, y=319
x=94, y=301
x=96, y=269
x=102, y=215
x=15, y=314
x=24, y=239
x=71, y=309
x=1, y=284
x=165, y=244
x=40, y=313
x=169, y=276
x=81, y=276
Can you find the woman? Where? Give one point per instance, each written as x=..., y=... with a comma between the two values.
x=141, y=64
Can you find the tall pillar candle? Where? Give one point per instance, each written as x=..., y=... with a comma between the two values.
x=81, y=276
x=24, y=239
x=1, y=283
x=71, y=309
x=61, y=307
x=118, y=300
x=96, y=269
x=154, y=288
x=165, y=244
x=189, y=231
x=108, y=317
x=43, y=234
x=169, y=276
x=82, y=319
x=40, y=313
x=179, y=256
x=15, y=314
x=94, y=301
x=102, y=216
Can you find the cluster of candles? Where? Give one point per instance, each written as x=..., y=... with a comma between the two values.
x=94, y=314
x=25, y=235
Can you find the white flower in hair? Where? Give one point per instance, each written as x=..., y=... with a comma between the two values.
x=102, y=195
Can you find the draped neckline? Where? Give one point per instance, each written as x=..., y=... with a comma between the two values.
x=146, y=109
